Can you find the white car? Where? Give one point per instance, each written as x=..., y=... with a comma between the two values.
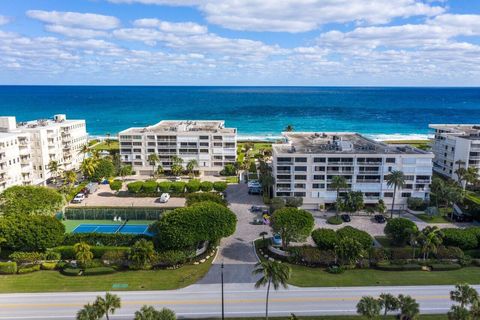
x=78, y=198
x=164, y=198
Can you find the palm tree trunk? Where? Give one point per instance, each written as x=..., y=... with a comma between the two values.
x=393, y=200
x=268, y=293
x=106, y=315
x=336, y=204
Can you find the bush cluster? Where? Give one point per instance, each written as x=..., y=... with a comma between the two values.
x=67, y=252
x=103, y=239
x=152, y=188
x=193, y=198
x=312, y=256
x=8, y=267
x=170, y=258
x=465, y=239
x=417, y=204
x=334, y=220
x=28, y=269
x=48, y=266
x=21, y=257
x=398, y=230
x=327, y=239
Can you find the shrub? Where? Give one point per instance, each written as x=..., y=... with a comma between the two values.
x=8, y=267
x=115, y=256
x=104, y=169
x=462, y=238
x=29, y=269
x=30, y=200
x=334, y=220
x=98, y=271
x=149, y=186
x=67, y=252
x=193, y=186
x=52, y=255
x=206, y=186
x=48, y=266
x=335, y=270
x=165, y=186
x=27, y=257
x=314, y=257
x=173, y=257
x=377, y=255
x=445, y=266
x=204, y=196
x=135, y=187
x=219, y=186
x=293, y=202
x=361, y=236
x=386, y=266
x=402, y=253
x=325, y=239
x=229, y=170
x=71, y=271
x=104, y=239
x=449, y=253
x=178, y=187
x=116, y=185
x=397, y=230
x=417, y=204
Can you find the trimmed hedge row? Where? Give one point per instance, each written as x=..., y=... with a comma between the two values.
x=98, y=271
x=327, y=239
x=104, y=239
x=445, y=266
x=29, y=269
x=387, y=266
x=67, y=252
x=8, y=267
x=70, y=271
x=465, y=239
x=152, y=188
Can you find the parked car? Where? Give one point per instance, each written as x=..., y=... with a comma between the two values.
x=345, y=218
x=78, y=198
x=164, y=198
x=257, y=221
x=255, y=209
x=379, y=218
x=265, y=211
x=277, y=240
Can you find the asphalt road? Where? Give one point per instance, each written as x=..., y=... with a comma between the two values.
x=204, y=300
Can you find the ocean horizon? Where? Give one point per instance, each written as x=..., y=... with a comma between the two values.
x=259, y=113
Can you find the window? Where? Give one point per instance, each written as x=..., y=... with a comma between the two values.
x=300, y=185
x=299, y=194
x=318, y=186
x=318, y=177
x=318, y=159
x=284, y=159
x=301, y=168
x=300, y=177
x=301, y=159
x=318, y=168
x=406, y=194
x=388, y=194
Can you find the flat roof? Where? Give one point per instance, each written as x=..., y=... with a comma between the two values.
x=466, y=131
x=178, y=126
x=338, y=143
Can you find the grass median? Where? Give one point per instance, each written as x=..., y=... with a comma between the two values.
x=53, y=281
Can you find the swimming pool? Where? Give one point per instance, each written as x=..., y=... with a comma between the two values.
x=112, y=228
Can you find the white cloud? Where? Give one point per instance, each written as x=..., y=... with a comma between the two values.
x=75, y=19
x=4, y=20
x=171, y=27
x=300, y=15
x=75, y=32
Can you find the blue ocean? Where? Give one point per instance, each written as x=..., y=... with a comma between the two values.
x=255, y=111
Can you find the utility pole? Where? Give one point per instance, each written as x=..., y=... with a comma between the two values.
x=223, y=300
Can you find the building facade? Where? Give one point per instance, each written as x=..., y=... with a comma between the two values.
x=10, y=167
x=210, y=143
x=455, y=146
x=305, y=164
x=42, y=141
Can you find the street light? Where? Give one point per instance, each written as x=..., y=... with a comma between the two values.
x=223, y=301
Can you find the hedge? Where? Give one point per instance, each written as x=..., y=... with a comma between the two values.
x=98, y=271
x=149, y=186
x=334, y=220
x=398, y=229
x=193, y=185
x=325, y=238
x=445, y=267
x=219, y=186
x=27, y=257
x=104, y=239
x=67, y=252
x=462, y=238
x=386, y=266
x=193, y=198
x=361, y=236
x=29, y=269
x=71, y=271
x=174, y=257
x=165, y=186
x=206, y=186
x=312, y=256
x=48, y=266
x=135, y=187
x=178, y=187
x=8, y=267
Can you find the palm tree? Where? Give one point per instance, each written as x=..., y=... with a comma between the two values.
x=409, y=308
x=338, y=183
x=461, y=177
x=414, y=235
x=458, y=313
x=475, y=310
x=389, y=303
x=452, y=195
x=430, y=239
x=85, y=149
x=150, y=313
x=125, y=171
x=89, y=312
x=267, y=181
x=70, y=177
x=464, y=294
x=471, y=175
x=107, y=305
x=83, y=253
x=437, y=187
x=289, y=128
x=53, y=167
x=396, y=178
x=369, y=307
x=141, y=253
x=153, y=159
x=191, y=165
x=272, y=272
x=176, y=166
x=88, y=166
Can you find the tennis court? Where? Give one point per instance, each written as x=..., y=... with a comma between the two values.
x=112, y=228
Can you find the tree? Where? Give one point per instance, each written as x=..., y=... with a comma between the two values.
x=458, y=313
x=464, y=294
x=267, y=181
x=398, y=230
x=349, y=251
x=413, y=239
x=84, y=150
x=125, y=171
x=461, y=177
x=338, y=183
x=159, y=170
x=89, y=312
x=471, y=176
x=24, y=232
x=70, y=177
x=88, y=166
x=452, y=195
x=53, y=167
x=289, y=128
x=396, y=179
x=229, y=170
x=292, y=224
x=33, y=200
x=409, y=308
x=150, y=313
x=272, y=273
x=437, y=186
x=116, y=185
x=369, y=307
x=153, y=159
x=104, y=169
x=141, y=254
x=176, y=168
x=107, y=305
x=83, y=253
x=191, y=165
x=353, y=201
x=430, y=239
x=380, y=206
x=389, y=303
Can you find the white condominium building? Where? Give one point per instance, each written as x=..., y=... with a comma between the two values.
x=10, y=167
x=454, y=146
x=41, y=141
x=304, y=165
x=208, y=142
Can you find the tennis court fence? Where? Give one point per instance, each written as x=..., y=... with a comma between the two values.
x=110, y=213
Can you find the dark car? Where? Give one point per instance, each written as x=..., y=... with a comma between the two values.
x=345, y=218
x=265, y=211
x=379, y=218
x=256, y=209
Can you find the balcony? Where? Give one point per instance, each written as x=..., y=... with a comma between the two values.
x=423, y=181
x=342, y=163
x=284, y=172
x=284, y=189
x=368, y=180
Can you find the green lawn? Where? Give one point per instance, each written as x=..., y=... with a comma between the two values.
x=53, y=281
x=70, y=225
x=317, y=277
x=421, y=144
x=232, y=179
x=433, y=219
x=113, y=145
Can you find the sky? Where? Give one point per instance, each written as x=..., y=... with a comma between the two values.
x=241, y=42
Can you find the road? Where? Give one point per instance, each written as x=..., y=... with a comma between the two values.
x=204, y=300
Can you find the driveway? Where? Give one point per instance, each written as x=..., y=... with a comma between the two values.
x=237, y=252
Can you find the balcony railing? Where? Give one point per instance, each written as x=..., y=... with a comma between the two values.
x=368, y=180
